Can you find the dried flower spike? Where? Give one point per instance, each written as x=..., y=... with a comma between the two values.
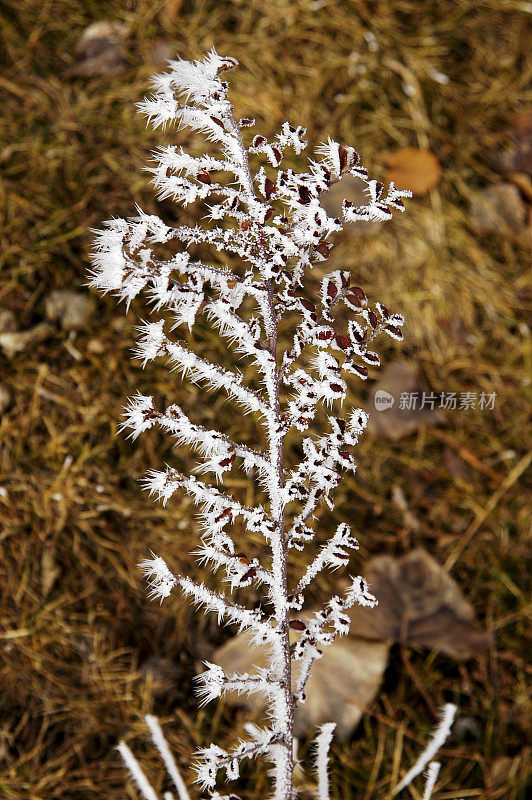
x=269, y=221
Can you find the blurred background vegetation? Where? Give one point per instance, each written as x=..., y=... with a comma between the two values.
x=83, y=654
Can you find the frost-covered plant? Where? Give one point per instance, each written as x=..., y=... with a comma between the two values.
x=273, y=229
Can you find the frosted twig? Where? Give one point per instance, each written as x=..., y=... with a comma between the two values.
x=300, y=353
x=144, y=786
x=323, y=743
x=438, y=738
x=432, y=773
x=162, y=746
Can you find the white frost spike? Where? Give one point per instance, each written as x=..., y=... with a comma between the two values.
x=161, y=744
x=151, y=342
x=145, y=788
x=440, y=735
x=359, y=593
x=138, y=415
x=197, y=80
x=207, y=768
x=211, y=683
x=433, y=770
x=323, y=743
x=333, y=554
x=160, y=579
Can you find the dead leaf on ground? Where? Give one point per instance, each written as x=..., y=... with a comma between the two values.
x=410, y=168
x=99, y=50
x=352, y=189
x=398, y=404
x=419, y=604
x=329, y=695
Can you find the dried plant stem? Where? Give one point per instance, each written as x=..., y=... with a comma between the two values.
x=284, y=769
x=279, y=229
x=279, y=564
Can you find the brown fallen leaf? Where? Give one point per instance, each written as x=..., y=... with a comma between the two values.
x=352, y=189
x=419, y=605
x=342, y=684
x=99, y=50
x=399, y=404
x=410, y=168
x=329, y=694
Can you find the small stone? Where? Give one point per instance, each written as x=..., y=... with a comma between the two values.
x=5, y=398
x=70, y=309
x=498, y=208
x=14, y=342
x=466, y=729
x=99, y=50
x=7, y=321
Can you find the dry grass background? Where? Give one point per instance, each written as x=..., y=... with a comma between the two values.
x=77, y=635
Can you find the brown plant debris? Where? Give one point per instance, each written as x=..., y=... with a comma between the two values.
x=410, y=168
